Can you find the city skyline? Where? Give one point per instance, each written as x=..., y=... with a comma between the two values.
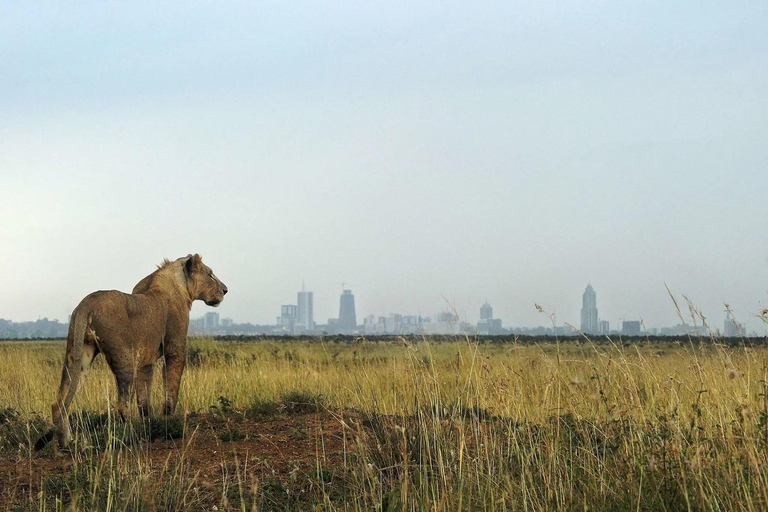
x=449, y=323
x=487, y=323
x=590, y=320
x=726, y=321
x=443, y=322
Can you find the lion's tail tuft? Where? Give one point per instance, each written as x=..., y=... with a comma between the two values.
x=45, y=439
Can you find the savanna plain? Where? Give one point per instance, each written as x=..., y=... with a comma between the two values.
x=402, y=424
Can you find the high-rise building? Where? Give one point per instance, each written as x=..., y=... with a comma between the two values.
x=488, y=324
x=304, y=318
x=288, y=315
x=589, y=323
x=347, y=318
x=211, y=321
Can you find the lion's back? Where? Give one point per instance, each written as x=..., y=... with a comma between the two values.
x=104, y=301
x=113, y=312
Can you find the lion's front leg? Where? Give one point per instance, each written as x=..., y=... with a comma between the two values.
x=174, y=367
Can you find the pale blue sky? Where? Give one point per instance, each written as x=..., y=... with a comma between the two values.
x=504, y=151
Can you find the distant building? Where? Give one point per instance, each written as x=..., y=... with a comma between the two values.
x=211, y=321
x=289, y=315
x=395, y=323
x=447, y=323
x=448, y=316
x=731, y=328
x=347, y=317
x=488, y=324
x=392, y=323
x=605, y=327
x=631, y=328
x=304, y=312
x=589, y=311
x=197, y=325
x=369, y=324
x=411, y=320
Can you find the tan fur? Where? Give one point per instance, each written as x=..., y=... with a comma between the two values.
x=133, y=331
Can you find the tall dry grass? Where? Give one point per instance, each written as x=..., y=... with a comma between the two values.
x=457, y=425
x=518, y=382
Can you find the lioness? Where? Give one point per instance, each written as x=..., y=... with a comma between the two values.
x=133, y=331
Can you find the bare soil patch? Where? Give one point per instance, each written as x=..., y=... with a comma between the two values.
x=283, y=454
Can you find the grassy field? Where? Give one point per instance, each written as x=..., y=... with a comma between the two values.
x=427, y=425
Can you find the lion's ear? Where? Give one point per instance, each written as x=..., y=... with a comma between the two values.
x=193, y=263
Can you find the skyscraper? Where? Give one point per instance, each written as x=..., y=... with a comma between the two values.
x=589, y=323
x=287, y=319
x=488, y=324
x=211, y=321
x=304, y=320
x=347, y=317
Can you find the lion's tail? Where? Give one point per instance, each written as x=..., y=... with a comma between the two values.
x=70, y=377
x=74, y=358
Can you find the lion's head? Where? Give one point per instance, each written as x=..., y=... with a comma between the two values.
x=202, y=283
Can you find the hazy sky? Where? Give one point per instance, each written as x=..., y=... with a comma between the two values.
x=418, y=152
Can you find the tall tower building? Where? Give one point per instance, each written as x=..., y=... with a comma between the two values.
x=488, y=324
x=589, y=323
x=347, y=318
x=304, y=320
x=486, y=312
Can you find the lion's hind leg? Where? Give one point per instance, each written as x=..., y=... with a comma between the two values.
x=124, y=380
x=144, y=388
